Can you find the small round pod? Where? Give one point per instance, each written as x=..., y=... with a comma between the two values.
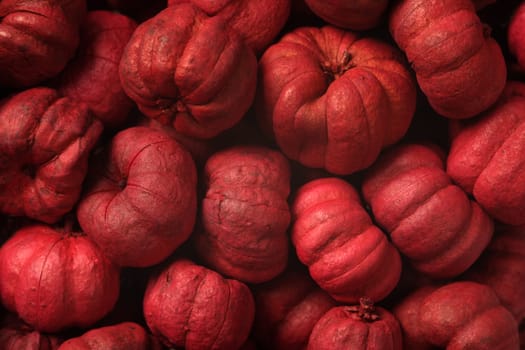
x=45, y=143
x=332, y=99
x=502, y=267
x=257, y=22
x=121, y=336
x=430, y=219
x=140, y=202
x=286, y=310
x=458, y=65
x=359, y=327
x=486, y=156
x=467, y=315
x=245, y=213
x=355, y=15
x=56, y=279
x=93, y=75
x=346, y=254
x=189, y=306
x=179, y=76
x=37, y=39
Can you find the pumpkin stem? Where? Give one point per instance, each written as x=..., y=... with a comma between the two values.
x=334, y=70
x=366, y=310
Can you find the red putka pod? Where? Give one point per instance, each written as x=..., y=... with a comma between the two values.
x=141, y=201
x=516, y=35
x=459, y=67
x=430, y=220
x=347, y=255
x=256, y=22
x=93, y=76
x=245, y=213
x=37, y=38
x=286, y=310
x=502, y=267
x=467, y=315
x=56, y=279
x=356, y=14
x=178, y=76
x=16, y=335
x=486, y=157
x=359, y=327
x=45, y=142
x=121, y=336
x=192, y=307
x=332, y=99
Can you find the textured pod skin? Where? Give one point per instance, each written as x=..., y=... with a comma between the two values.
x=45, y=142
x=429, y=218
x=349, y=327
x=516, y=35
x=56, y=279
x=333, y=100
x=257, y=22
x=286, y=310
x=245, y=213
x=347, y=255
x=355, y=15
x=406, y=311
x=16, y=335
x=192, y=307
x=458, y=66
x=93, y=76
x=502, y=267
x=141, y=201
x=122, y=336
x=467, y=315
x=178, y=76
x=486, y=157
x=37, y=38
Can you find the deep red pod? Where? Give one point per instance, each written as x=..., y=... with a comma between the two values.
x=333, y=99
x=195, y=308
x=458, y=65
x=121, y=336
x=359, y=327
x=355, y=15
x=257, y=22
x=502, y=267
x=486, y=156
x=45, y=142
x=516, y=34
x=56, y=279
x=178, y=76
x=37, y=38
x=287, y=308
x=347, y=255
x=141, y=201
x=245, y=213
x=93, y=75
x=430, y=219
x=467, y=315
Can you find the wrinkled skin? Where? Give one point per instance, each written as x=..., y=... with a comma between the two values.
x=458, y=65
x=346, y=254
x=429, y=219
x=37, y=39
x=179, y=77
x=245, y=213
x=93, y=76
x=122, y=336
x=212, y=313
x=141, y=201
x=45, y=143
x=40, y=265
x=332, y=99
x=257, y=22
